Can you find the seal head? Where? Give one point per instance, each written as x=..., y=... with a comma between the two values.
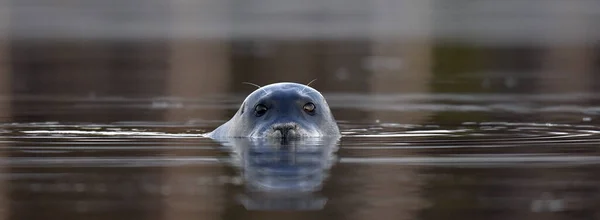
x=281, y=110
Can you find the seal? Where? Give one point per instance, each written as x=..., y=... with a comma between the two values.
x=281, y=110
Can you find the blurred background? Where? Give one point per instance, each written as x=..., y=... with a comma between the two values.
x=387, y=68
x=119, y=50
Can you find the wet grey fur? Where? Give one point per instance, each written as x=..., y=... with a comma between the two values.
x=285, y=101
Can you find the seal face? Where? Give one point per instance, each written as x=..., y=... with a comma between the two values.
x=281, y=110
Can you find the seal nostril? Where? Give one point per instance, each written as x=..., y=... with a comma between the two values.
x=285, y=129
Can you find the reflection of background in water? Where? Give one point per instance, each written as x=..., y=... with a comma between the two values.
x=193, y=49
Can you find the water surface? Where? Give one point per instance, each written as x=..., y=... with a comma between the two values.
x=467, y=156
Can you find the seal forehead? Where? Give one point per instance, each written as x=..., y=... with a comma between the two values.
x=285, y=88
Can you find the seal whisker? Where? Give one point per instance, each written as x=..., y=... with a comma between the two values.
x=257, y=86
x=252, y=84
x=307, y=85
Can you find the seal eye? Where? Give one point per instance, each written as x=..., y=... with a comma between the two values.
x=260, y=110
x=309, y=108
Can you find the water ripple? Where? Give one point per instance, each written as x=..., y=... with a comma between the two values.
x=155, y=144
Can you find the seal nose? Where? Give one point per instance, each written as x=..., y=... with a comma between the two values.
x=286, y=129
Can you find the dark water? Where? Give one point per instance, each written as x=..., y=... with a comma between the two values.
x=466, y=157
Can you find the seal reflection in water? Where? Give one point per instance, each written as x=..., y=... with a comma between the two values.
x=282, y=175
x=283, y=111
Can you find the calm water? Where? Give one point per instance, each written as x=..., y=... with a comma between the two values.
x=449, y=109
x=464, y=156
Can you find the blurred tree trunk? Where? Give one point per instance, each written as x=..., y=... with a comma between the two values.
x=401, y=66
x=5, y=74
x=198, y=67
x=5, y=97
x=568, y=64
x=567, y=69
